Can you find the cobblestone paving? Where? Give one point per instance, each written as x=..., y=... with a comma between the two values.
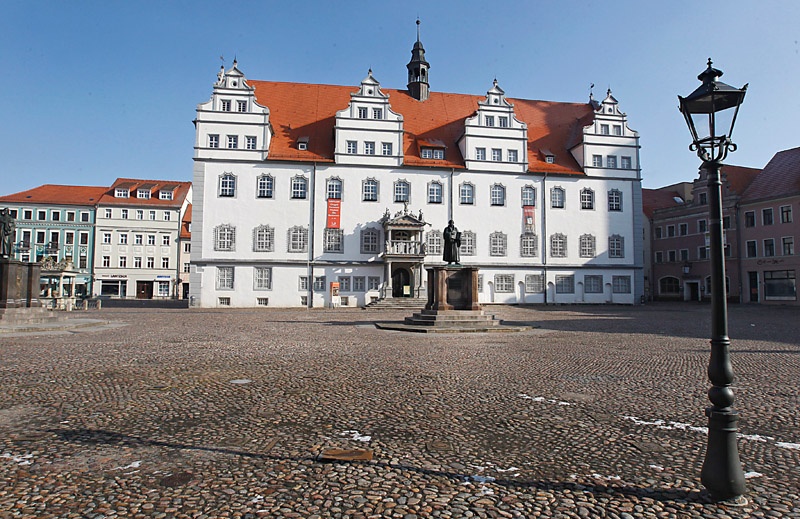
x=206, y=413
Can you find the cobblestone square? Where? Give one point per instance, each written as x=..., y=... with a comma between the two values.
x=597, y=412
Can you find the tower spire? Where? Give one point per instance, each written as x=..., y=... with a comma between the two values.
x=418, y=86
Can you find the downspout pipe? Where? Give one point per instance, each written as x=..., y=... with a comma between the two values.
x=311, y=240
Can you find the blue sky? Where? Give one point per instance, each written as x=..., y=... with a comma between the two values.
x=96, y=90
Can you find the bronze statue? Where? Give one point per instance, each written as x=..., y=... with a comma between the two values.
x=452, y=242
x=7, y=234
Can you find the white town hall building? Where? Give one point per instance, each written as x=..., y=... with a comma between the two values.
x=299, y=186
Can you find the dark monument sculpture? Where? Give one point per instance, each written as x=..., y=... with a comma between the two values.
x=7, y=236
x=452, y=242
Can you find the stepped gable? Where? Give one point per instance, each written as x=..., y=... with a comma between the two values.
x=739, y=178
x=779, y=178
x=309, y=110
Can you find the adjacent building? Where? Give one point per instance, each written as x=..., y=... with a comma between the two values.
x=56, y=223
x=302, y=186
x=138, y=228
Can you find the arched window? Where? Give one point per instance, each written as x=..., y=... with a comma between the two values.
x=587, y=198
x=227, y=185
x=557, y=197
x=528, y=196
x=467, y=193
x=401, y=191
x=264, y=186
x=669, y=285
x=334, y=188
x=498, y=195
x=225, y=237
x=369, y=189
x=587, y=246
x=299, y=187
x=435, y=193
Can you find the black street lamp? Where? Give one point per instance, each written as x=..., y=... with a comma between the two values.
x=710, y=113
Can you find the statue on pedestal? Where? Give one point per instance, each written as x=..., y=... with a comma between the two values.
x=452, y=242
x=6, y=233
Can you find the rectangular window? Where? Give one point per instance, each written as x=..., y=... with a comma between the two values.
x=224, y=278
x=670, y=231
x=163, y=289
x=386, y=148
x=604, y=129
x=302, y=283
x=497, y=154
x=139, y=214
x=85, y=217
x=165, y=239
x=373, y=283
x=27, y=214
x=187, y=268
x=187, y=247
x=250, y=142
x=683, y=229
x=401, y=192
x=534, y=283
x=503, y=121
x=124, y=214
x=597, y=161
x=769, y=247
x=672, y=256
x=226, y=105
x=84, y=238
x=625, y=162
x=593, y=284
x=788, y=245
x=344, y=284
x=233, y=142
x=359, y=284
x=352, y=147
x=55, y=216
x=438, y=154
x=299, y=187
x=751, y=249
x=333, y=240
x=137, y=262
x=377, y=113
x=107, y=213
x=123, y=262
x=362, y=112
x=167, y=216
x=69, y=238
x=702, y=253
x=621, y=284
x=611, y=161
x=684, y=254
x=480, y=153
x=702, y=226
x=151, y=262
x=165, y=195
x=749, y=219
x=659, y=232
x=121, y=193
x=557, y=197
x=151, y=239
x=780, y=285
x=726, y=222
x=106, y=238
x=786, y=214
x=224, y=301
x=152, y=215
x=262, y=278
x=565, y=284
x=512, y=156
x=703, y=198
x=213, y=141
x=615, y=200
x=143, y=193
x=106, y=261
x=766, y=216
x=319, y=284
x=489, y=120
x=164, y=263
x=659, y=257
x=370, y=190
x=504, y=283
x=241, y=106
x=70, y=216
x=617, y=129
x=369, y=148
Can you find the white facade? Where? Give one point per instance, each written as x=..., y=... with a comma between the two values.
x=557, y=235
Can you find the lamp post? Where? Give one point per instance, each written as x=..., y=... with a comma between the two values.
x=710, y=112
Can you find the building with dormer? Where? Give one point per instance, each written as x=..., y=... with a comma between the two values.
x=137, y=239
x=297, y=186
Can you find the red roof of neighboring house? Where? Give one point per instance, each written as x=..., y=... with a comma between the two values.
x=309, y=110
x=179, y=192
x=186, y=232
x=739, y=178
x=779, y=178
x=653, y=199
x=54, y=194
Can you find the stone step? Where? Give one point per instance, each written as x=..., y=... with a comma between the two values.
x=452, y=323
x=451, y=318
x=20, y=316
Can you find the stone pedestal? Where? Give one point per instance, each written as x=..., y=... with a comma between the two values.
x=453, y=288
x=19, y=284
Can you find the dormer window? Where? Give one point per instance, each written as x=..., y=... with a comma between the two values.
x=302, y=143
x=548, y=155
x=143, y=193
x=165, y=195
x=121, y=193
x=432, y=153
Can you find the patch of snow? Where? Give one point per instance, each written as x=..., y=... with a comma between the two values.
x=134, y=465
x=19, y=460
x=755, y=437
x=510, y=469
x=543, y=399
x=750, y=475
x=656, y=467
x=607, y=478
x=786, y=445
x=241, y=381
x=355, y=435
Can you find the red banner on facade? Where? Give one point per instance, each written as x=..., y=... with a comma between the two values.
x=334, y=213
x=528, y=212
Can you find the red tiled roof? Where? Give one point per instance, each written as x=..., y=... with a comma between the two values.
x=57, y=195
x=179, y=189
x=309, y=110
x=186, y=223
x=653, y=199
x=738, y=177
x=779, y=178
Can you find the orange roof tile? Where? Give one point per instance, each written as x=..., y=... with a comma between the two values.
x=309, y=110
x=186, y=223
x=179, y=189
x=739, y=178
x=653, y=199
x=55, y=194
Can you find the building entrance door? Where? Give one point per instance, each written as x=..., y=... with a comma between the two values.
x=694, y=291
x=753, y=286
x=144, y=290
x=401, y=283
